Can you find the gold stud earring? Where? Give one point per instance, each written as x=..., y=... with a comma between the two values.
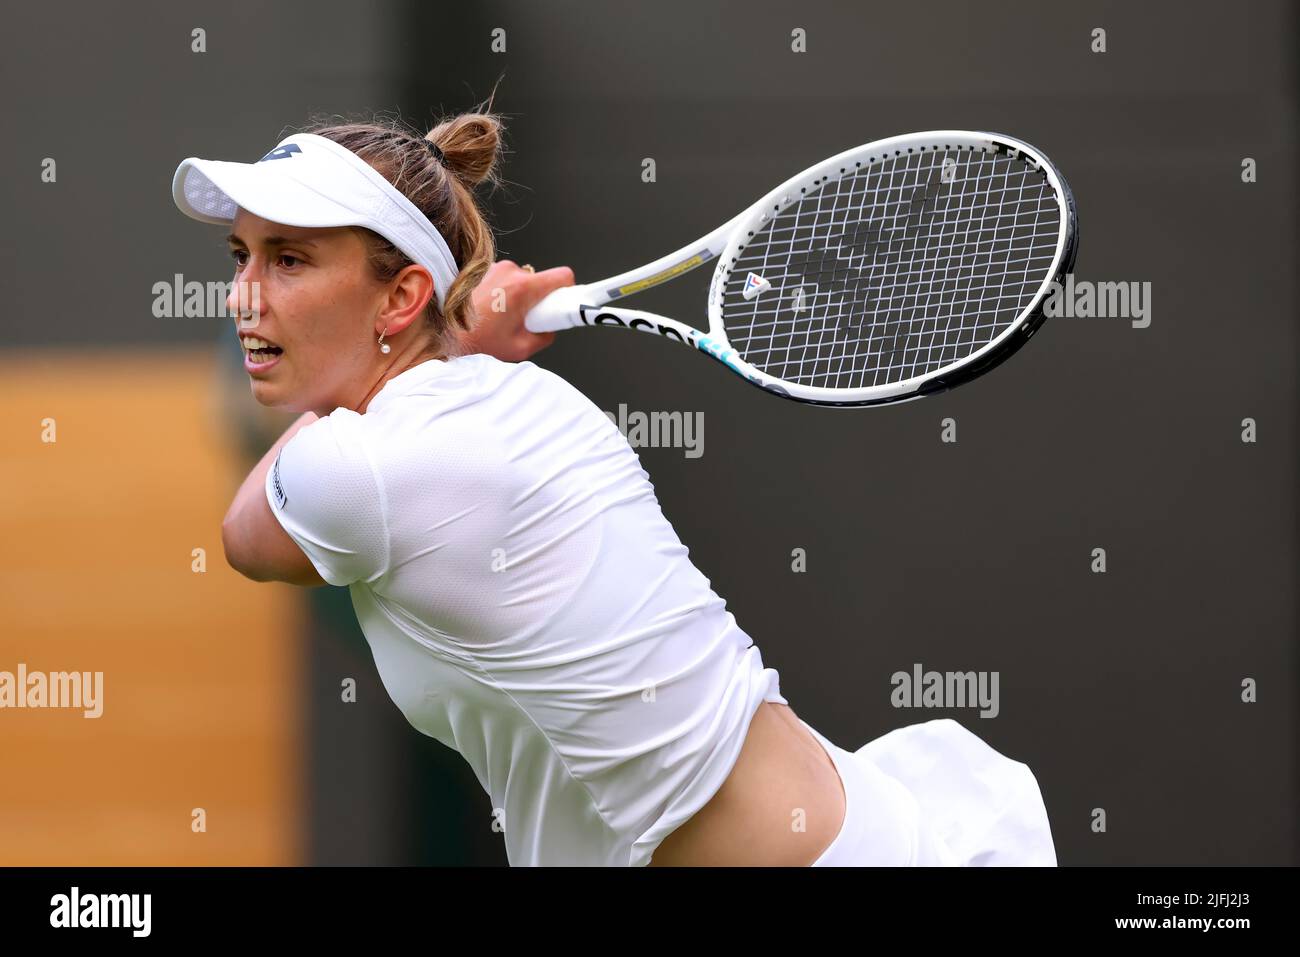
x=384, y=347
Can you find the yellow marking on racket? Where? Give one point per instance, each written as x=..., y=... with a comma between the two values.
x=670, y=273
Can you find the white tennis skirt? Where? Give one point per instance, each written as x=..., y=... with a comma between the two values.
x=934, y=794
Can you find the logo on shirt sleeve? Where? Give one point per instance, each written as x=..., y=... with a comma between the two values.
x=276, y=487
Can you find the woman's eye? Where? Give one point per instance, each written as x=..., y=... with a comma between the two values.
x=240, y=256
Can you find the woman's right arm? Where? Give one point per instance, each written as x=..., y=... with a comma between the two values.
x=255, y=544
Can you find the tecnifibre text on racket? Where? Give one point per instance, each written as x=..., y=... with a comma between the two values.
x=888, y=272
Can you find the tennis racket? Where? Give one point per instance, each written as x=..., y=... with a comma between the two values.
x=885, y=273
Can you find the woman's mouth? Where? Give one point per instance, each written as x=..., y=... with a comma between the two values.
x=259, y=354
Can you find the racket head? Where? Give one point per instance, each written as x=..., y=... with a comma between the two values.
x=893, y=270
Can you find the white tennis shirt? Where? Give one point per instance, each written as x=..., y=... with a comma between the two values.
x=527, y=603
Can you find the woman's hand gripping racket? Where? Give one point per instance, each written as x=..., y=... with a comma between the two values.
x=888, y=272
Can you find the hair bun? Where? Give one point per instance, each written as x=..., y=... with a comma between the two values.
x=470, y=146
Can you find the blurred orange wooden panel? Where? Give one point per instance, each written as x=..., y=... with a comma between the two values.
x=201, y=683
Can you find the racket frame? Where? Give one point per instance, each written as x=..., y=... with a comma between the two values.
x=587, y=304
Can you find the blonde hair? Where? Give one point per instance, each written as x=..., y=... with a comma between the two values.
x=441, y=189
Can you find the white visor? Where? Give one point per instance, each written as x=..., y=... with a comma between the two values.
x=311, y=181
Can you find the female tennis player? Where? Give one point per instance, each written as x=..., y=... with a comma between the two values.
x=526, y=601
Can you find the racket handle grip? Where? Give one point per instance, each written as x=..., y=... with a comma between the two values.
x=557, y=311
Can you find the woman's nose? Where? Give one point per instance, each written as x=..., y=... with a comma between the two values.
x=245, y=299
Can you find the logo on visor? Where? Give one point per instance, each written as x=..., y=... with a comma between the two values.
x=281, y=152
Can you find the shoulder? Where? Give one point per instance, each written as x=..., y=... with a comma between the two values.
x=493, y=372
x=327, y=495
x=472, y=416
x=328, y=463
x=333, y=442
x=474, y=392
x=516, y=383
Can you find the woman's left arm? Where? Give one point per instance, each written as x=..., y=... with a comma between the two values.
x=256, y=545
x=503, y=297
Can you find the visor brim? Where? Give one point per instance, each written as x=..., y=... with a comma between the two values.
x=213, y=191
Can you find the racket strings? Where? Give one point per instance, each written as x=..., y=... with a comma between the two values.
x=895, y=270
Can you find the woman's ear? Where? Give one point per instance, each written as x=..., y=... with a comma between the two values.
x=409, y=293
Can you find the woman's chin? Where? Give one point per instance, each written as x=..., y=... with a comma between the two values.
x=269, y=394
x=281, y=399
